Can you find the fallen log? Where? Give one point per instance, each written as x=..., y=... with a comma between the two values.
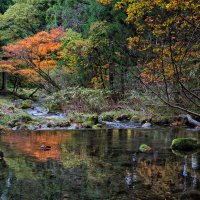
x=192, y=121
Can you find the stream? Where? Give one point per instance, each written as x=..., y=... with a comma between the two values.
x=38, y=111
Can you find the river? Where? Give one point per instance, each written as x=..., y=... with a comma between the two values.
x=97, y=164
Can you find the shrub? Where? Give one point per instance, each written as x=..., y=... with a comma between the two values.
x=82, y=99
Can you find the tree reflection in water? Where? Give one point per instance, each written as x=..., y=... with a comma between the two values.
x=30, y=143
x=103, y=164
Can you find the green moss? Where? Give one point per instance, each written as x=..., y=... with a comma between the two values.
x=90, y=117
x=57, y=123
x=52, y=107
x=107, y=117
x=88, y=124
x=144, y=148
x=119, y=115
x=14, y=117
x=76, y=117
x=135, y=118
x=26, y=104
x=184, y=144
x=25, y=93
x=25, y=118
x=97, y=126
x=83, y=117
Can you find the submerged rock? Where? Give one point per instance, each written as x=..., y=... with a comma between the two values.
x=184, y=144
x=144, y=148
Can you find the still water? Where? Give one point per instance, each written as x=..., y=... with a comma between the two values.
x=97, y=164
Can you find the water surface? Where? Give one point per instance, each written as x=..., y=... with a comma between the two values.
x=97, y=164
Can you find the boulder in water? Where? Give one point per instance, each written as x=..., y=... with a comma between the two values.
x=184, y=144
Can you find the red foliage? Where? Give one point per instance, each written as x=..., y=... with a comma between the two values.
x=34, y=54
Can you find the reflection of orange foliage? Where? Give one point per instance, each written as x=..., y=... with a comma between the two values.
x=29, y=143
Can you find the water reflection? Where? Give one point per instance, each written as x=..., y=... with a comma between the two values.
x=103, y=164
x=30, y=143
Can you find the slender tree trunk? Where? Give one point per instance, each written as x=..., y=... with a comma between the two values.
x=15, y=84
x=4, y=81
x=111, y=78
x=122, y=80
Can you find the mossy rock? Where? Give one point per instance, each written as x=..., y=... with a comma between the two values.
x=88, y=124
x=63, y=124
x=53, y=107
x=123, y=117
x=162, y=120
x=144, y=148
x=90, y=117
x=135, y=118
x=24, y=126
x=82, y=117
x=184, y=144
x=184, y=153
x=76, y=117
x=20, y=119
x=27, y=104
x=51, y=125
x=119, y=115
x=25, y=118
x=107, y=117
x=97, y=126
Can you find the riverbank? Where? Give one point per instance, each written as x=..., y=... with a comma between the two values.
x=86, y=110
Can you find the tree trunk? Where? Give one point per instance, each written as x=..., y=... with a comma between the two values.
x=4, y=81
x=111, y=78
x=122, y=74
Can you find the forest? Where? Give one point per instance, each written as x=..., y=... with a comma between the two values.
x=128, y=60
x=99, y=99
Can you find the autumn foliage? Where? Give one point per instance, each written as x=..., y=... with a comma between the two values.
x=35, y=56
x=166, y=30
